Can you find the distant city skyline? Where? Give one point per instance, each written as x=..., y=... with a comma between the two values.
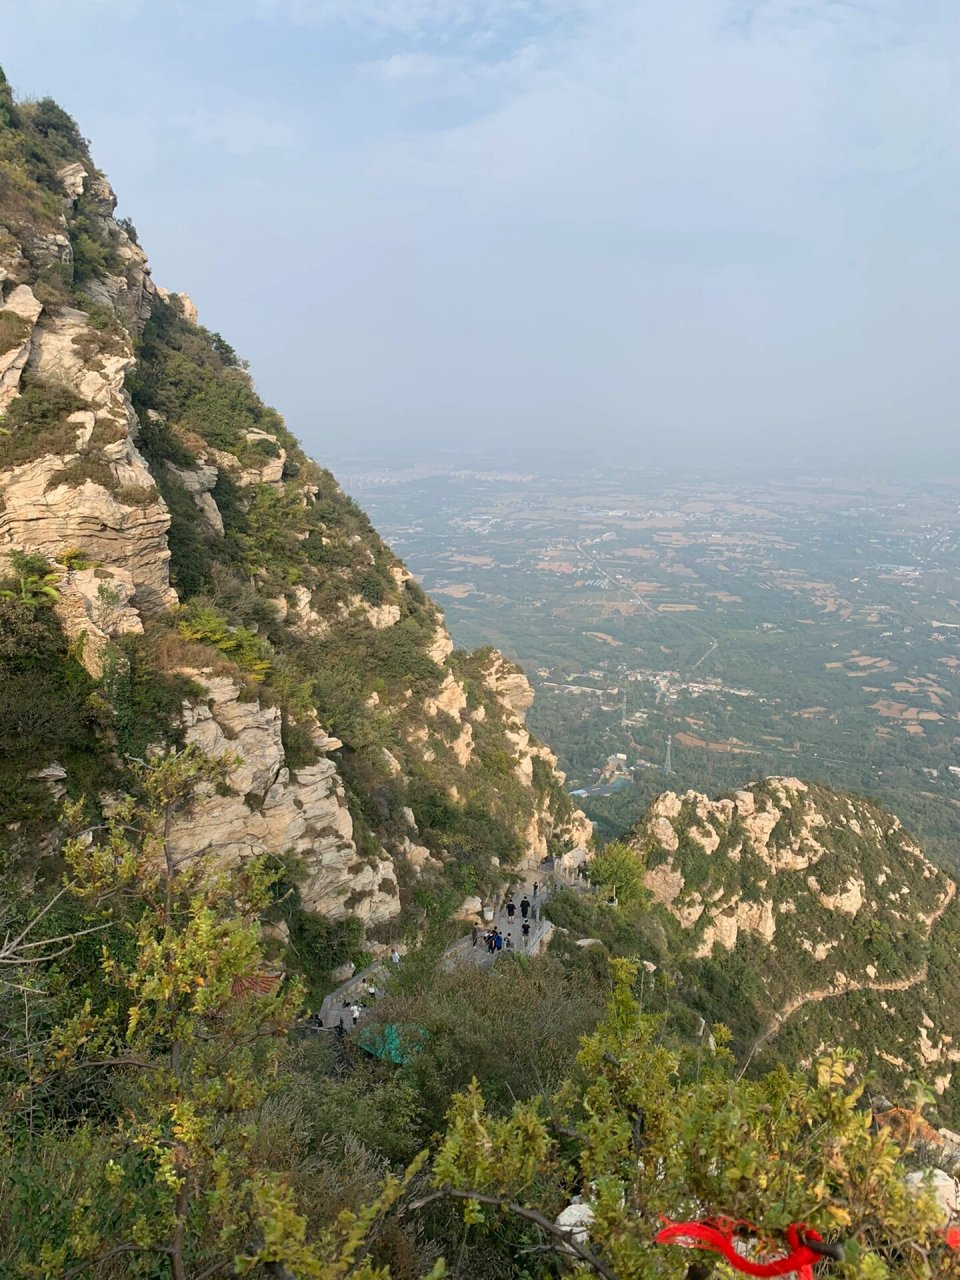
x=676, y=230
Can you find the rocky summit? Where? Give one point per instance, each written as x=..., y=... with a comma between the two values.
x=210, y=584
x=800, y=917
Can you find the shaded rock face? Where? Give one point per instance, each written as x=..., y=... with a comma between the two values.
x=273, y=810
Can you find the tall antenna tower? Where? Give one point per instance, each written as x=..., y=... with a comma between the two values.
x=623, y=718
x=668, y=763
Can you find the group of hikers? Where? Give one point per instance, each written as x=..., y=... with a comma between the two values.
x=494, y=939
x=356, y=1005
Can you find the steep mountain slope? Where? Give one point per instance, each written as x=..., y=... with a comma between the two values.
x=802, y=917
x=178, y=570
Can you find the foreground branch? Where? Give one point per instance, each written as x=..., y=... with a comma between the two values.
x=569, y=1242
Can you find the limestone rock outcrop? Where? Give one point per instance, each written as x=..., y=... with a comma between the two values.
x=19, y=305
x=271, y=809
x=94, y=607
x=757, y=849
x=92, y=489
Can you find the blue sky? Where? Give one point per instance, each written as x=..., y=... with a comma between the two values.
x=667, y=224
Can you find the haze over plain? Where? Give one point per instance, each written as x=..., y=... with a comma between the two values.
x=719, y=227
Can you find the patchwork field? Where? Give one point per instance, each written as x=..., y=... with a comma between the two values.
x=804, y=627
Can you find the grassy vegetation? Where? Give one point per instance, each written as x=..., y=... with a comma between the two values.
x=36, y=423
x=13, y=330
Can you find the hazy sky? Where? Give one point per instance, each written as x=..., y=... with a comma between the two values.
x=663, y=221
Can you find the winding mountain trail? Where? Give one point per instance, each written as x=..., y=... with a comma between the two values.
x=850, y=987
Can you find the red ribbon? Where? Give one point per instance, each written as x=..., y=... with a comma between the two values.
x=717, y=1235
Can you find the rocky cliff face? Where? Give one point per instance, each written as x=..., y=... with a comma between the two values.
x=195, y=546
x=820, y=911
x=72, y=475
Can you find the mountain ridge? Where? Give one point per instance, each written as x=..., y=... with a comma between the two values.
x=807, y=916
x=215, y=586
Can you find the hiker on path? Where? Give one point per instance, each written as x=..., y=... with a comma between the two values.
x=536, y=887
x=498, y=941
x=511, y=910
x=524, y=906
x=395, y=956
x=475, y=933
x=509, y=942
x=491, y=941
x=355, y=1013
x=525, y=930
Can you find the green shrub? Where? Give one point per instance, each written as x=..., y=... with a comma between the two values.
x=146, y=702
x=36, y=423
x=45, y=713
x=13, y=330
x=94, y=256
x=137, y=495
x=298, y=746
x=34, y=583
x=319, y=945
x=80, y=470
x=202, y=623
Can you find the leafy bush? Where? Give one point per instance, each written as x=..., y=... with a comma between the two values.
x=94, y=256
x=618, y=870
x=202, y=623
x=45, y=713
x=34, y=583
x=36, y=422
x=321, y=945
x=87, y=467
x=145, y=701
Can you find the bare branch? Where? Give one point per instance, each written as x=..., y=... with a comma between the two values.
x=568, y=1239
x=213, y=1269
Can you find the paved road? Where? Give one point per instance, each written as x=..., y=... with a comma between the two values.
x=464, y=952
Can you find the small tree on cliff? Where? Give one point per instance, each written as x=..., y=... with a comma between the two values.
x=618, y=870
